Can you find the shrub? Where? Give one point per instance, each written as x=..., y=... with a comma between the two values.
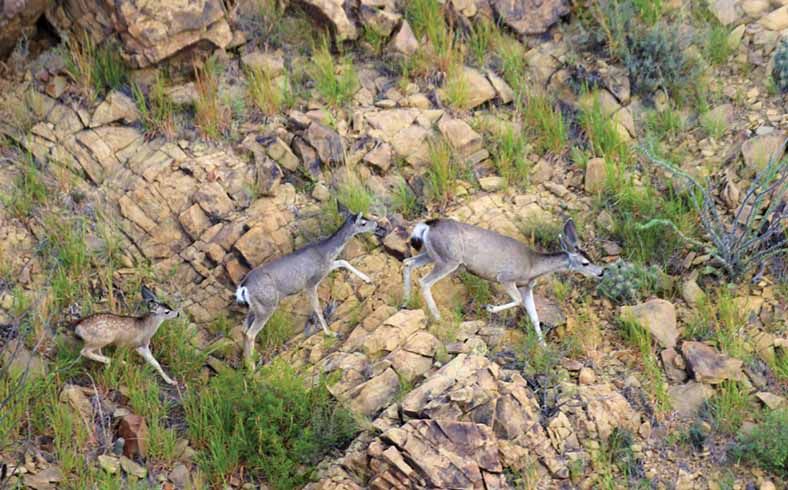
x=756, y=230
x=780, y=70
x=276, y=426
x=767, y=445
x=336, y=84
x=655, y=61
x=624, y=282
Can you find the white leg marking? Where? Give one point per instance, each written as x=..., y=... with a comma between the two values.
x=530, y=307
x=148, y=356
x=344, y=264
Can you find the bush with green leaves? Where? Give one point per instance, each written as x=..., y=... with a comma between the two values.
x=625, y=282
x=780, y=69
x=655, y=60
x=277, y=426
x=767, y=444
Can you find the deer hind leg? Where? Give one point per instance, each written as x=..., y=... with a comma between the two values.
x=530, y=308
x=441, y=270
x=517, y=299
x=260, y=316
x=91, y=353
x=409, y=263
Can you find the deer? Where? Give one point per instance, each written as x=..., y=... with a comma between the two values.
x=104, y=329
x=448, y=244
x=265, y=286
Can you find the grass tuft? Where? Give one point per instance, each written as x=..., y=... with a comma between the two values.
x=212, y=116
x=336, y=83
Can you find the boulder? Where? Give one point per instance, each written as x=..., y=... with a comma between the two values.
x=326, y=142
x=709, y=366
x=776, y=20
x=404, y=42
x=530, y=16
x=370, y=397
x=332, y=13
x=688, y=398
x=658, y=317
x=116, y=106
x=18, y=18
x=758, y=151
x=148, y=32
x=134, y=430
x=460, y=135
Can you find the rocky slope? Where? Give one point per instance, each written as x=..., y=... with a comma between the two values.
x=465, y=403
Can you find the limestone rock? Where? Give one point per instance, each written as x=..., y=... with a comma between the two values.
x=116, y=107
x=691, y=292
x=46, y=479
x=658, y=317
x=709, y=366
x=214, y=200
x=596, y=175
x=270, y=63
x=759, y=150
x=725, y=11
x=460, y=135
x=688, y=398
x=134, y=430
x=530, y=16
x=370, y=397
x=674, y=365
x=380, y=156
x=326, y=142
x=404, y=41
x=110, y=464
x=333, y=13
x=17, y=360
x=777, y=20
x=255, y=246
x=132, y=468
x=75, y=396
x=480, y=90
x=18, y=18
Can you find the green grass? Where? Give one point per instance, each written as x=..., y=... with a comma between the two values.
x=355, y=196
x=511, y=54
x=441, y=173
x=767, y=445
x=277, y=331
x=457, y=90
x=335, y=83
x=276, y=426
x=603, y=136
x=715, y=47
x=268, y=94
x=405, y=201
x=509, y=151
x=714, y=126
x=718, y=318
x=28, y=190
x=96, y=69
x=157, y=111
x=376, y=40
x=730, y=406
x=542, y=231
x=481, y=40
x=212, y=116
x=547, y=124
x=480, y=293
x=427, y=20
x=654, y=378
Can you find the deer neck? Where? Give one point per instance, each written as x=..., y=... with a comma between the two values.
x=149, y=324
x=334, y=244
x=549, y=263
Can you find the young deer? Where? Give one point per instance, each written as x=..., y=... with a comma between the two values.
x=105, y=329
x=492, y=256
x=265, y=286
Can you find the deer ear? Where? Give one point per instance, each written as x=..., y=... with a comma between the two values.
x=147, y=294
x=342, y=210
x=570, y=234
x=359, y=217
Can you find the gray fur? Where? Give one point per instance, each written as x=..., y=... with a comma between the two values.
x=449, y=244
x=265, y=286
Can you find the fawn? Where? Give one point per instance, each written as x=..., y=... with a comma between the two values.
x=492, y=256
x=101, y=330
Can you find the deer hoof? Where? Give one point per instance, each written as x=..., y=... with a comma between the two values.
x=489, y=308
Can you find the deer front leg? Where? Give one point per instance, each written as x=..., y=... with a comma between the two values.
x=148, y=356
x=410, y=263
x=438, y=272
x=344, y=264
x=530, y=308
x=314, y=300
x=511, y=290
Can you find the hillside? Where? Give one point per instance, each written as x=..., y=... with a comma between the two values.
x=178, y=145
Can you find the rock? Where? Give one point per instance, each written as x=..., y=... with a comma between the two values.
x=134, y=430
x=396, y=243
x=404, y=41
x=213, y=200
x=380, y=156
x=270, y=63
x=283, y=155
x=586, y=376
x=56, y=86
x=755, y=8
x=691, y=292
x=326, y=142
x=390, y=122
x=180, y=476
x=255, y=246
x=759, y=150
x=333, y=13
x=148, y=33
x=46, y=479
x=735, y=37
x=709, y=366
x=75, y=396
x=687, y=399
x=321, y=192
x=436, y=454
x=505, y=92
x=268, y=176
x=372, y=396
x=412, y=144
x=724, y=10
x=767, y=485
x=596, y=175
x=116, y=106
x=674, y=365
x=530, y=16
x=776, y=20
x=17, y=19
x=132, y=468
x=604, y=410
x=194, y=221
x=18, y=360
x=381, y=21
x=658, y=317
x=480, y=90
x=110, y=464
x=460, y=135
x=771, y=400
x=492, y=183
